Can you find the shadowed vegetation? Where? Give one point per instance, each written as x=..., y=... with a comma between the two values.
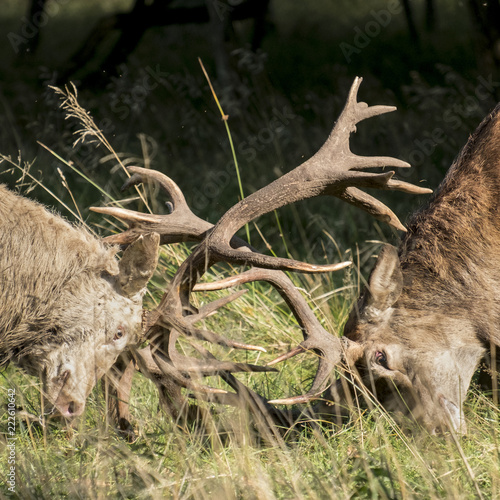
x=281, y=104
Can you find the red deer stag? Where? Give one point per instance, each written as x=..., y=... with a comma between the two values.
x=430, y=311
x=426, y=317
x=68, y=307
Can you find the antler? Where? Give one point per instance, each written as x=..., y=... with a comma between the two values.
x=180, y=225
x=331, y=351
x=334, y=170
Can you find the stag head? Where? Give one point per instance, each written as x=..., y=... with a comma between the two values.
x=417, y=362
x=430, y=311
x=105, y=312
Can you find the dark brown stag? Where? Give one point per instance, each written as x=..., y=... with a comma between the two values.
x=333, y=170
x=430, y=311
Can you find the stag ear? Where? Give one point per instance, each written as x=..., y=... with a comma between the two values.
x=138, y=263
x=386, y=279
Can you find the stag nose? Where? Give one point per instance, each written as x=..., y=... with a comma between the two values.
x=70, y=409
x=454, y=415
x=76, y=409
x=69, y=402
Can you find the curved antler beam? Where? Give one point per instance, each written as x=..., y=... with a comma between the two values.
x=180, y=225
x=331, y=351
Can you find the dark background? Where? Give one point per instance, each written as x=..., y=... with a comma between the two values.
x=282, y=76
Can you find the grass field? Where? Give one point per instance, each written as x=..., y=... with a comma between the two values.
x=369, y=457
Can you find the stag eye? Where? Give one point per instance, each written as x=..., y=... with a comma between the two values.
x=381, y=359
x=120, y=332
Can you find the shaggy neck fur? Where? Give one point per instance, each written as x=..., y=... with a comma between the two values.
x=451, y=254
x=43, y=261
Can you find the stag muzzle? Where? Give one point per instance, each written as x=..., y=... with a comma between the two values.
x=64, y=395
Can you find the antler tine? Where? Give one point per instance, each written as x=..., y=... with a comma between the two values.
x=331, y=351
x=180, y=225
x=213, y=306
x=375, y=207
x=267, y=262
x=210, y=365
x=406, y=187
x=371, y=205
x=355, y=111
x=204, y=368
x=220, y=284
x=151, y=363
x=185, y=326
x=362, y=162
x=143, y=175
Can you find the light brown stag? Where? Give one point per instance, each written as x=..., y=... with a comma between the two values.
x=68, y=307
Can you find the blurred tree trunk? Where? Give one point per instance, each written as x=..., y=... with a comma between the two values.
x=410, y=19
x=132, y=25
x=486, y=18
x=430, y=15
x=31, y=25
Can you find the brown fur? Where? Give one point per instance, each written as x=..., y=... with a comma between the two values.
x=451, y=254
x=432, y=308
x=43, y=256
x=67, y=307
